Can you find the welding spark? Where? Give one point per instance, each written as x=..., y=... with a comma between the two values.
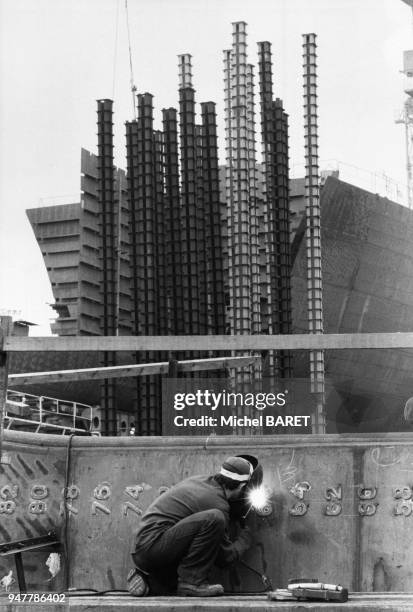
x=258, y=498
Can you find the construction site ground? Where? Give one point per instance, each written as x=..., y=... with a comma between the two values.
x=372, y=602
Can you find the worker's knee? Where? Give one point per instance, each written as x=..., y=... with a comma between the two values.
x=216, y=517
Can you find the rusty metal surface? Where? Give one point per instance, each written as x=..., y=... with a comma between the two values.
x=342, y=506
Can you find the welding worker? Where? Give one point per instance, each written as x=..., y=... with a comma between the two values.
x=183, y=533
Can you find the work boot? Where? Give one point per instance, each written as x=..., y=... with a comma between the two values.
x=199, y=590
x=136, y=583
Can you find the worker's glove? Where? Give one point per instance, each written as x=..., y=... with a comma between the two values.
x=243, y=542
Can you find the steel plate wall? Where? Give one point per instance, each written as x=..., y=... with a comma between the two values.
x=342, y=506
x=31, y=487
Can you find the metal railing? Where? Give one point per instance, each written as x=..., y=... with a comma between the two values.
x=24, y=410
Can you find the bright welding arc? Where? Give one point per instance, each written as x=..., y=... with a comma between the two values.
x=258, y=498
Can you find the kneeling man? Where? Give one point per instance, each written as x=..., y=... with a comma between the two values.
x=183, y=534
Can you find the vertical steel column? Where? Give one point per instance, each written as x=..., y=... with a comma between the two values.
x=274, y=128
x=173, y=261
x=313, y=232
x=132, y=168
x=267, y=137
x=213, y=230
x=201, y=231
x=107, y=215
x=161, y=324
x=123, y=300
x=229, y=188
x=268, y=196
x=189, y=215
x=145, y=229
x=147, y=266
x=239, y=220
x=241, y=187
x=281, y=284
x=132, y=156
x=160, y=235
x=253, y=206
x=143, y=161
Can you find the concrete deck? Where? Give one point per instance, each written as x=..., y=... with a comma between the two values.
x=365, y=602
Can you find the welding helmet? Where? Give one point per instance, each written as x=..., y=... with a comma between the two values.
x=239, y=507
x=257, y=471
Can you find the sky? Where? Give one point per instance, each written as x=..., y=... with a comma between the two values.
x=57, y=57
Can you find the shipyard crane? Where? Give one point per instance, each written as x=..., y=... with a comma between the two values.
x=406, y=117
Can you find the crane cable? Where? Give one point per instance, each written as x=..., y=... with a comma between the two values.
x=132, y=80
x=115, y=54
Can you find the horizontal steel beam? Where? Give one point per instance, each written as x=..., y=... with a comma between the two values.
x=123, y=371
x=213, y=343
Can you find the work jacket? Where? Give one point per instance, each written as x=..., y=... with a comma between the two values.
x=188, y=497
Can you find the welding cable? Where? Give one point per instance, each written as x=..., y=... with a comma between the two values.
x=89, y=592
x=263, y=578
x=85, y=592
x=66, y=513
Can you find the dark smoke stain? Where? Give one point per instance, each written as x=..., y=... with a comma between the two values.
x=41, y=467
x=381, y=578
x=110, y=578
x=27, y=531
x=260, y=546
x=25, y=466
x=301, y=537
x=5, y=534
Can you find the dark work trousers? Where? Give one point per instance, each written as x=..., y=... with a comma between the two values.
x=185, y=551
